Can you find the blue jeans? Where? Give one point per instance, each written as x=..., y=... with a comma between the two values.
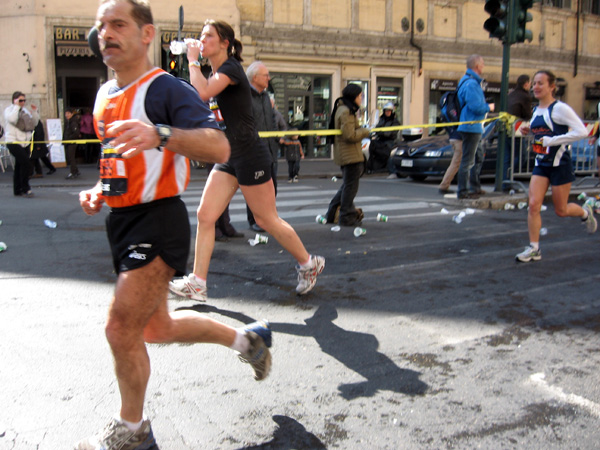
x=470, y=164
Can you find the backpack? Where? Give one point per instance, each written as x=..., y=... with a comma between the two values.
x=450, y=105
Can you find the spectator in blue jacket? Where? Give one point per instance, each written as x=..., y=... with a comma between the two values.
x=473, y=107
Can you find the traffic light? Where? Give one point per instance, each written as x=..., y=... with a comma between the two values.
x=173, y=69
x=521, y=16
x=497, y=24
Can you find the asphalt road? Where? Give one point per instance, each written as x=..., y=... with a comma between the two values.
x=422, y=333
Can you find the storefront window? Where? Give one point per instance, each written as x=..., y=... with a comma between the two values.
x=304, y=100
x=592, y=100
x=559, y=3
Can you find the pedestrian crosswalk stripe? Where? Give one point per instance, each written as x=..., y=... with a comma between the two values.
x=296, y=202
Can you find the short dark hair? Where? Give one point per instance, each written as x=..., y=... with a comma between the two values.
x=16, y=95
x=351, y=91
x=522, y=80
x=141, y=12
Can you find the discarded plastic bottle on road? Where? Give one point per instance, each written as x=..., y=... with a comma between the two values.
x=522, y=205
x=321, y=219
x=334, y=179
x=2, y=247
x=509, y=206
x=511, y=192
x=335, y=228
x=444, y=211
x=543, y=231
x=382, y=218
x=543, y=208
x=358, y=231
x=459, y=217
x=582, y=196
x=596, y=208
x=49, y=223
x=258, y=239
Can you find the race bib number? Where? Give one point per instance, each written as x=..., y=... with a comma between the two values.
x=538, y=148
x=113, y=173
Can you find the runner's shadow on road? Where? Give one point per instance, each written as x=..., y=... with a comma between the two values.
x=358, y=352
x=290, y=434
x=205, y=309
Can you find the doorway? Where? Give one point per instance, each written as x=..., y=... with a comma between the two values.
x=390, y=90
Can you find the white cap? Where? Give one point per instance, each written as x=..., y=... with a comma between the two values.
x=388, y=105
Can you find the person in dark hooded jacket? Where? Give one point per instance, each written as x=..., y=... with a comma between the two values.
x=70, y=133
x=40, y=152
x=383, y=141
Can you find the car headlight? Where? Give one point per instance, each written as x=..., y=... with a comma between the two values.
x=400, y=152
x=432, y=154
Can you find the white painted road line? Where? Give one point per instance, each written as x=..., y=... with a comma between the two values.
x=540, y=380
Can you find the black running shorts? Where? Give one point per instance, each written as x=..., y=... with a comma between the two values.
x=138, y=234
x=250, y=167
x=558, y=175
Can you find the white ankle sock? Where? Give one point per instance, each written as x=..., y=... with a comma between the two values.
x=197, y=280
x=241, y=343
x=535, y=245
x=307, y=264
x=133, y=426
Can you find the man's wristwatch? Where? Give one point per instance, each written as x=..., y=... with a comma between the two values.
x=195, y=64
x=164, y=133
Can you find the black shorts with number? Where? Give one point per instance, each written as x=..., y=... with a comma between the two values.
x=251, y=166
x=138, y=234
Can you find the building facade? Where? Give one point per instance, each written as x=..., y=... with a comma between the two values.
x=403, y=51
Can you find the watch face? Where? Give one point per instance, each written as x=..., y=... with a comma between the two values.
x=164, y=131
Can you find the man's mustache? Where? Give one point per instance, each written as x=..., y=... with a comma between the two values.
x=108, y=45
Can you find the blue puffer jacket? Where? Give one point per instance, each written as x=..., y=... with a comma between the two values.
x=472, y=102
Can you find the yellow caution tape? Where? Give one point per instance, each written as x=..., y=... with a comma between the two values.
x=72, y=141
x=508, y=119
x=503, y=116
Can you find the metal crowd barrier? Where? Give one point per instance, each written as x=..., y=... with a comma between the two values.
x=5, y=158
x=584, y=156
x=522, y=160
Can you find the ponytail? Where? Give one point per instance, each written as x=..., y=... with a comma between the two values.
x=235, y=50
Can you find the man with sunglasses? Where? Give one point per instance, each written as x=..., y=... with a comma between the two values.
x=17, y=142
